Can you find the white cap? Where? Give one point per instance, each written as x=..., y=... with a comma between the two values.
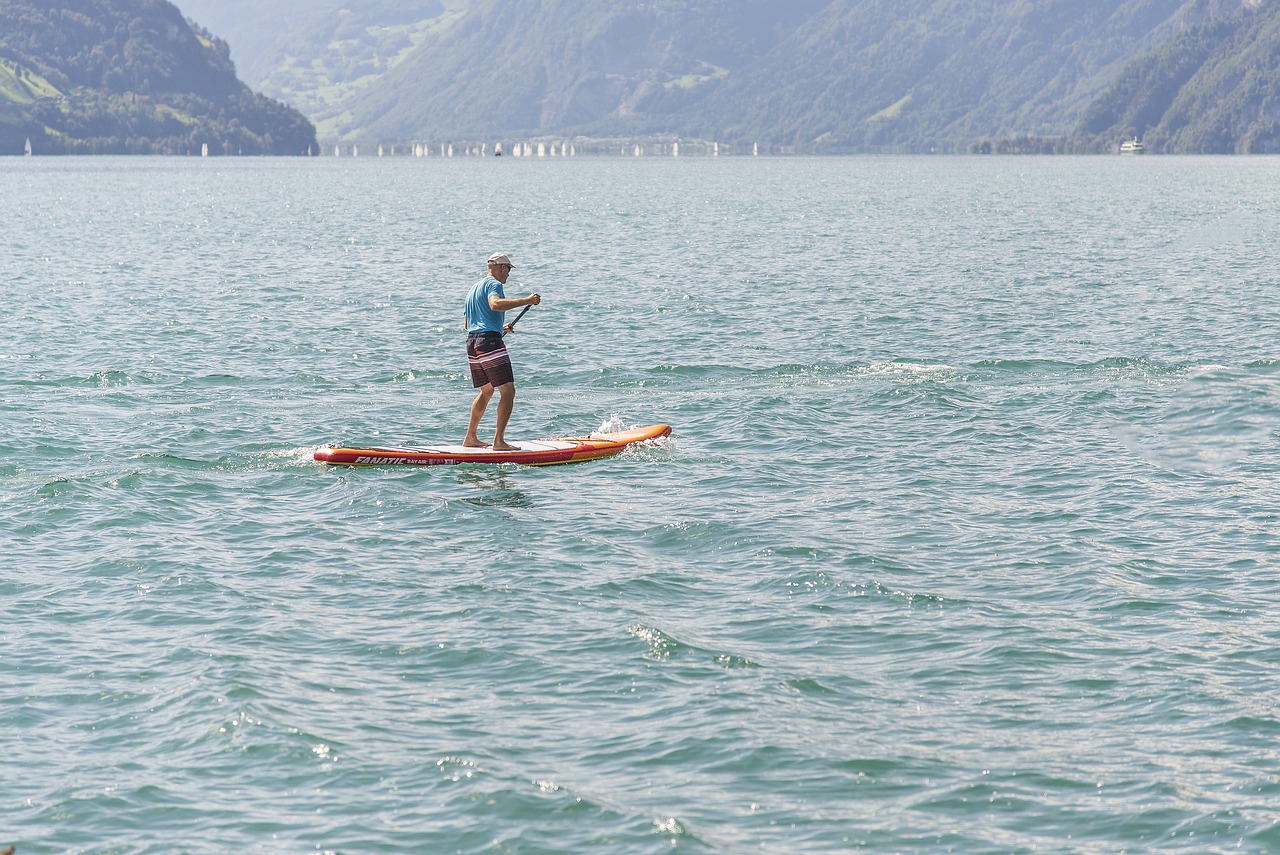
x=501, y=258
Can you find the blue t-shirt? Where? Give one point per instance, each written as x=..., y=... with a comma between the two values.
x=480, y=318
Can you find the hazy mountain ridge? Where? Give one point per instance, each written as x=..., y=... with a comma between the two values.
x=809, y=75
x=128, y=76
x=504, y=67
x=325, y=61
x=866, y=77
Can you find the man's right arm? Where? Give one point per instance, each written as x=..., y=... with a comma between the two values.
x=505, y=304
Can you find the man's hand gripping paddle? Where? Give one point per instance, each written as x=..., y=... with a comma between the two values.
x=509, y=327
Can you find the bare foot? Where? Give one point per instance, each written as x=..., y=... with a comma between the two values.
x=474, y=443
x=504, y=447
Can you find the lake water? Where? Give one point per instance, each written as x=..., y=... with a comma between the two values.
x=967, y=538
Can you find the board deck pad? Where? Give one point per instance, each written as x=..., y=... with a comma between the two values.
x=538, y=452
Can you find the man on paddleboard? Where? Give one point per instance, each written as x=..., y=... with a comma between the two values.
x=486, y=354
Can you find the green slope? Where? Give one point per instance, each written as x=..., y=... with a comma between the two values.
x=18, y=85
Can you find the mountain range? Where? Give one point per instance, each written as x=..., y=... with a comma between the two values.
x=786, y=75
x=801, y=75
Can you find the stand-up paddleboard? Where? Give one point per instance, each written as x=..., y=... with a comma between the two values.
x=539, y=452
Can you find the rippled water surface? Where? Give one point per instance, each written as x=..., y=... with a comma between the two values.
x=965, y=541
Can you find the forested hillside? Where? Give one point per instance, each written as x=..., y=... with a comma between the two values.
x=873, y=76
x=129, y=76
x=1213, y=88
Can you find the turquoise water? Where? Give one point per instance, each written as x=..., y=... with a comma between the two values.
x=966, y=539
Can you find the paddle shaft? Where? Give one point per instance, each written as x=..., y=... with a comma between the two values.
x=512, y=325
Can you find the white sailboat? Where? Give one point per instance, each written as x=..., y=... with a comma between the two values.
x=27, y=150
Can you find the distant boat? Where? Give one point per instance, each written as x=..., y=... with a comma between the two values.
x=1131, y=146
x=28, y=148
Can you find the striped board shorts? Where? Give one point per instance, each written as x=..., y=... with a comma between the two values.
x=487, y=356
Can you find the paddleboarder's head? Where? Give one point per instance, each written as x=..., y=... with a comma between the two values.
x=500, y=266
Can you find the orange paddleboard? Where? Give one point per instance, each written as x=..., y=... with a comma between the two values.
x=538, y=452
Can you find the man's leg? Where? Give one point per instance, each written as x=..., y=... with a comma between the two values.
x=506, y=401
x=478, y=406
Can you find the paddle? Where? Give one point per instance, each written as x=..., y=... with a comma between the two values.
x=512, y=325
